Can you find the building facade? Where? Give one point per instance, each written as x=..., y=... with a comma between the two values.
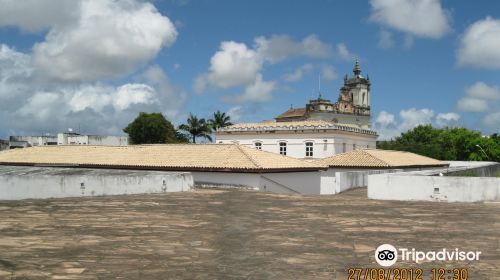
x=321, y=129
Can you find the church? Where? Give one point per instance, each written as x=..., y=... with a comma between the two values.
x=320, y=129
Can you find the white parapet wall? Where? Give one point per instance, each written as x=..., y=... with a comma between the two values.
x=307, y=182
x=433, y=186
x=18, y=182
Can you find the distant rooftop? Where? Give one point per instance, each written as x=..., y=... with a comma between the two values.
x=172, y=157
x=303, y=125
x=369, y=158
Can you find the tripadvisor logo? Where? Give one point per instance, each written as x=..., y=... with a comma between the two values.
x=387, y=255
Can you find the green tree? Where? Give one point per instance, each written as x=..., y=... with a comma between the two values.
x=197, y=128
x=219, y=120
x=446, y=143
x=151, y=128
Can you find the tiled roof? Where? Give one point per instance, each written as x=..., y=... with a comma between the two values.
x=182, y=157
x=380, y=158
x=290, y=125
x=297, y=112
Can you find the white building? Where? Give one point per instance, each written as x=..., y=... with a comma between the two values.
x=314, y=139
x=321, y=129
x=66, y=138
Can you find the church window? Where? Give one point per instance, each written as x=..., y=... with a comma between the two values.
x=363, y=101
x=258, y=145
x=309, y=149
x=354, y=146
x=283, y=148
x=344, y=147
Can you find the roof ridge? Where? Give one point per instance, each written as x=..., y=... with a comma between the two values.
x=383, y=161
x=248, y=156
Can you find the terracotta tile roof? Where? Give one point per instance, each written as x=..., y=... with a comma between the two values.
x=293, y=112
x=289, y=125
x=182, y=157
x=380, y=158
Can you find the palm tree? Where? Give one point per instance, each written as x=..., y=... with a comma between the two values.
x=219, y=120
x=197, y=128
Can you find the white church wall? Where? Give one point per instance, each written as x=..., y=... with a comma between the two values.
x=325, y=144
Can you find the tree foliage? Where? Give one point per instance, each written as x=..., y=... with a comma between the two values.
x=152, y=128
x=196, y=127
x=220, y=119
x=446, y=143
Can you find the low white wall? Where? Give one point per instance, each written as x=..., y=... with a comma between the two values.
x=433, y=188
x=47, y=182
x=310, y=182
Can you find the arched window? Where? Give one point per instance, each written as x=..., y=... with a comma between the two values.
x=364, y=100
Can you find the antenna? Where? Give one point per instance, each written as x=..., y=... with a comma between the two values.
x=319, y=83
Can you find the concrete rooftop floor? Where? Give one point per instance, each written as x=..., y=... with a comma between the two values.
x=220, y=234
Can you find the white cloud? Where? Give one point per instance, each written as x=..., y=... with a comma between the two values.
x=107, y=39
x=388, y=127
x=484, y=91
x=480, y=45
x=30, y=105
x=237, y=65
x=478, y=98
x=280, y=47
x=37, y=15
x=413, y=117
x=328, y=73
x=385, y=39
x=420, y=18
x=492, y=121
x=235, y=113
x=447, y=119
x=233, y=65
x=260, y=91
x=131, y=94
x=41, y=105
x=344, y=52
x=298, y=73
x=384, y=118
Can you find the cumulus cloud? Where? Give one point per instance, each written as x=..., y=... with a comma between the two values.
x=233, y=65
x=107, y=39
x=102, y=108
x=344, y=52
x=235, y=113
x=420, y=18
x=37, y=15
x=388, y=127
x=238, y=65
x=470, y=104
x=478, y=98
x=280, y=47
x=480, y=44
x=484, y=91
x=447, y=119
x=90, y=40
x=492, y=121
x=259, y=91
x=298, y=73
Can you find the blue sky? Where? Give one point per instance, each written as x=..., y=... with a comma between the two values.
x=95, y=65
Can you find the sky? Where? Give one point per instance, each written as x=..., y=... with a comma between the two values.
x=94, y=65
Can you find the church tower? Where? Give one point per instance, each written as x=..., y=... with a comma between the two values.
x=359, y=90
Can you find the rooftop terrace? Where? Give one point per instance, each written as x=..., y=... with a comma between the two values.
x=219, y=234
